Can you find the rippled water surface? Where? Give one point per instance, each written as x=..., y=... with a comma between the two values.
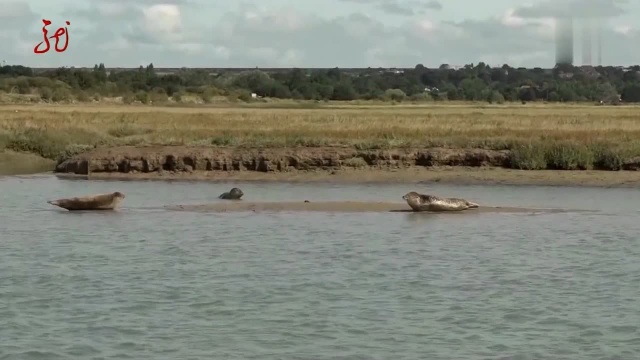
x=153, y=284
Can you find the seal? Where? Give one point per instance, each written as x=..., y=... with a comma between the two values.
x=233, y=194
x=420, y=202
x=108, y=201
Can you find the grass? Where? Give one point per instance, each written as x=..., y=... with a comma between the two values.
x=539, y=136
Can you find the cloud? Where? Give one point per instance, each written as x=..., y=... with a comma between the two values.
x=151, y=2
x=433, y=4
x=358, y=40
x=396, y=9
x=401, y=7
x=162, y=21
x=187, y=33
x=573, y=8
x=14, y=14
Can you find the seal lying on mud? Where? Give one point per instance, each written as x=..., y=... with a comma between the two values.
x=92, y=202
x=420, y=202
x=233, y=194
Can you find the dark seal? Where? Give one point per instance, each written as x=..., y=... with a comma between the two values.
x=233, y=194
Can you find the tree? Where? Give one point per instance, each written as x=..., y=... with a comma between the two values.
x=631, y=93
x=343, y=91
x=395, y=94
x=477, y=82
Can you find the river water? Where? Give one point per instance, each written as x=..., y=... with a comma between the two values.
x=155, y=284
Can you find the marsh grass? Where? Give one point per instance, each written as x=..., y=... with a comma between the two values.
x=528, y=157
x=539, y=137
x=52, y=143
x=566, y=156
x=123, y=131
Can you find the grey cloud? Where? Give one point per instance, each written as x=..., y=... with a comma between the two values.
x=420, y=6
x=15, y=14
x=357, y=41
x=15, y=9
x=151, y=2
x=289, y=39
x=104, y=22
x=100, y=15
x=394, y=8
x=433, y=4
x=337, y=42
x=573, y=8
x=400, y=7
x=491, y=36
x=361, y=1
x=334, y=41
x=340, y=42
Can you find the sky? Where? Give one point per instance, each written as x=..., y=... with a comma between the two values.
x=310, y=33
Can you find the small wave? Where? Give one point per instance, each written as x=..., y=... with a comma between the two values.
x=33, y=355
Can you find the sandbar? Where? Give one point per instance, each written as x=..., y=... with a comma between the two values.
x=340, y=206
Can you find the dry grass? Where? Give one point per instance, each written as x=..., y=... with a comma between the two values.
x=541, y=136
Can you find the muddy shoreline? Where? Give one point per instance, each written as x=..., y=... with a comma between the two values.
x=338, y=165
x=176, y=159
x=452, y=175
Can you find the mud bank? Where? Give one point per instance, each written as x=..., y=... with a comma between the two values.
x=341, y=206
x=325, y=165
x=188, y=159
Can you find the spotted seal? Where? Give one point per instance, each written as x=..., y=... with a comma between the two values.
x=108, y=201
x=420, y=202
x=233, y=194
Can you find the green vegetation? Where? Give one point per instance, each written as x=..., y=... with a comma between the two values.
x=324, y=109
x=536, y=136
x=470, y=83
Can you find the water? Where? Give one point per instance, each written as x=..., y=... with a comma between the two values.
x=153, y=284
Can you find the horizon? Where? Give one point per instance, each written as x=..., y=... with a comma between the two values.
x=451, y=67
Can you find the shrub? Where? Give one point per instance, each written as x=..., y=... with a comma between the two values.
x=142, y=96
x=395, y=94
x=224, y=140
x=528, y=157
x=73, y=150
x=567, y=156
x=61, y=94
x=46, y=94
x=607, y=159
x=244, y=95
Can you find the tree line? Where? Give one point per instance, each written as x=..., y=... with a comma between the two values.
x=480, y=82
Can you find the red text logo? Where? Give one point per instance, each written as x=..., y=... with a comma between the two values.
x=57, y=35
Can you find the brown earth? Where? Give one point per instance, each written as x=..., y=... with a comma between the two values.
x=188, y=159
x=324, y=165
